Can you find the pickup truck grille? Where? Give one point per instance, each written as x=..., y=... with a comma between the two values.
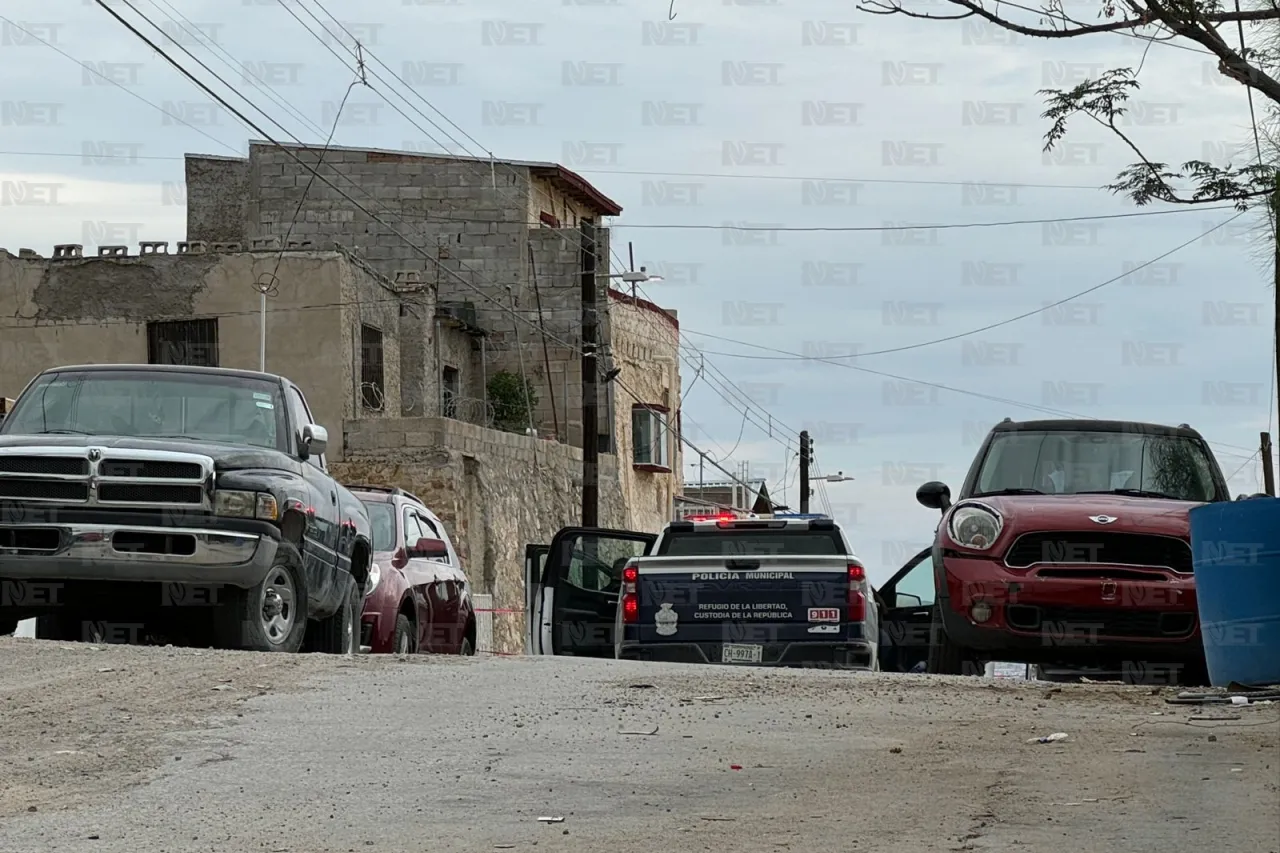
x=1097, y=548
x=101, y=477
x=47, y=465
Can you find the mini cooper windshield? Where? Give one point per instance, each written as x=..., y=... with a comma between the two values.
x=1086, y=462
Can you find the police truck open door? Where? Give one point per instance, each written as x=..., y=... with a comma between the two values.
x=906, y=622
x=574, y=604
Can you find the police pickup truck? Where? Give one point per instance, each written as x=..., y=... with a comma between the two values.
x=773, y=592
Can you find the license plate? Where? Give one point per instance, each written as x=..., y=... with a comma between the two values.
x=742, y=654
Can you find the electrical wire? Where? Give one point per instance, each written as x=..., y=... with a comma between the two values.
x=279, y=145
x=979, y=330
x=921, y=227
x=123, y=88
x=257, y=129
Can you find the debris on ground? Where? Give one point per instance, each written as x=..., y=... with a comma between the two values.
x=1053, y=738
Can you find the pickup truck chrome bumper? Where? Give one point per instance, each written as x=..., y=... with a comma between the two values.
x=101, y=552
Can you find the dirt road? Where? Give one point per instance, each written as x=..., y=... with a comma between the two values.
x=114, y=749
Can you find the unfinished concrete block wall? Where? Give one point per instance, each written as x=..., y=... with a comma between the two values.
x=218, y=195
x=473, y=223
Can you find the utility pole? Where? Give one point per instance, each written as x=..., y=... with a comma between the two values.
x=590, y=378
x=806, y=456
x=1268, y=473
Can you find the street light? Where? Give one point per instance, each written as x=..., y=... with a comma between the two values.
x=633, y=277
x=838, y=477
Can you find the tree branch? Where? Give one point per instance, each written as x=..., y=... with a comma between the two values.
x=893, y=7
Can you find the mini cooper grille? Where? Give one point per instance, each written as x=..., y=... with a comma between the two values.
x=1086, y=625
x=1094, y=548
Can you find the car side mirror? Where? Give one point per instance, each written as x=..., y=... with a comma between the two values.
x=905, y=600
x=429, y=549
x=934, y=495
x=315, y=440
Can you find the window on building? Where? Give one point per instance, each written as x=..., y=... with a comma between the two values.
x=650, y=437
x=193, y=343
x=450, y=390
x=372, y=392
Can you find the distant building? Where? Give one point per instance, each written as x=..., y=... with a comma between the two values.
x=747, y=496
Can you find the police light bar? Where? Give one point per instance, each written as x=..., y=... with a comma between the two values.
x=800, y=515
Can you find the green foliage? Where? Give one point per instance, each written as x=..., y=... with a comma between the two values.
x=513, y=400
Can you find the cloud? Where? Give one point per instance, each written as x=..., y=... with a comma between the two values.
x=787, y=101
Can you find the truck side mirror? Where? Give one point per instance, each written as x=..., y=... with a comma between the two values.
x=934, y=495
x=315, y=440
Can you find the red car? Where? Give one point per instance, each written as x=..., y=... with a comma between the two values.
x=1070, y=545
x=417, y=598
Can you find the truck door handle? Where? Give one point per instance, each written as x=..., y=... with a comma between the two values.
x=333, y=497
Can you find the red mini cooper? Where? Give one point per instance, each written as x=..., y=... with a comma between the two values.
x=417, y=598
x=1070, y=545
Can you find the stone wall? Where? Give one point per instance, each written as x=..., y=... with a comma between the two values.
x=495, y=492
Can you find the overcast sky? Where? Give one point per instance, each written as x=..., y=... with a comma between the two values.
x=787, y=114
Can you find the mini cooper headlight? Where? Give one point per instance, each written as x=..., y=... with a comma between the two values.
x=974, y=526
x=246, y=505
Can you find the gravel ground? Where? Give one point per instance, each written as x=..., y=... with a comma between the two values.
x=113, y=749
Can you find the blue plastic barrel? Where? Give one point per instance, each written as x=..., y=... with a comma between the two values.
x=1236, y=551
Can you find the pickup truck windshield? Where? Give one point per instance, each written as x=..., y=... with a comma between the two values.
x=753, y=543
x=1081, y=462
x=135, y=403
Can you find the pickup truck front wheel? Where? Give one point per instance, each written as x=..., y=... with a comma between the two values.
x=272, y=616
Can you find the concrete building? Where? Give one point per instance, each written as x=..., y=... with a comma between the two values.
x=392, y=324
x=353, y=340
x=499, y=241
x=749, y=495
x=646, y=354
x=334, y=325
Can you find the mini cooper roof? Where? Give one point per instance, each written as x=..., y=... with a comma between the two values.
x=1010, y=425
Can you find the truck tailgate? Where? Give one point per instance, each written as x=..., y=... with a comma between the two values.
x=765, y=599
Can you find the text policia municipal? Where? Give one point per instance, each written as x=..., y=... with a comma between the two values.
x=737, y=576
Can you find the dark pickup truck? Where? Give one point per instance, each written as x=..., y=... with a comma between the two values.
x=193, y=504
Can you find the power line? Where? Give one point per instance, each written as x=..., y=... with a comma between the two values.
x=710, y=175
x=921, y=227
x=959, y=335
x=239, y=115
x=118, y=85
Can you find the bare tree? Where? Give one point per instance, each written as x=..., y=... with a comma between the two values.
x=1105, y=100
